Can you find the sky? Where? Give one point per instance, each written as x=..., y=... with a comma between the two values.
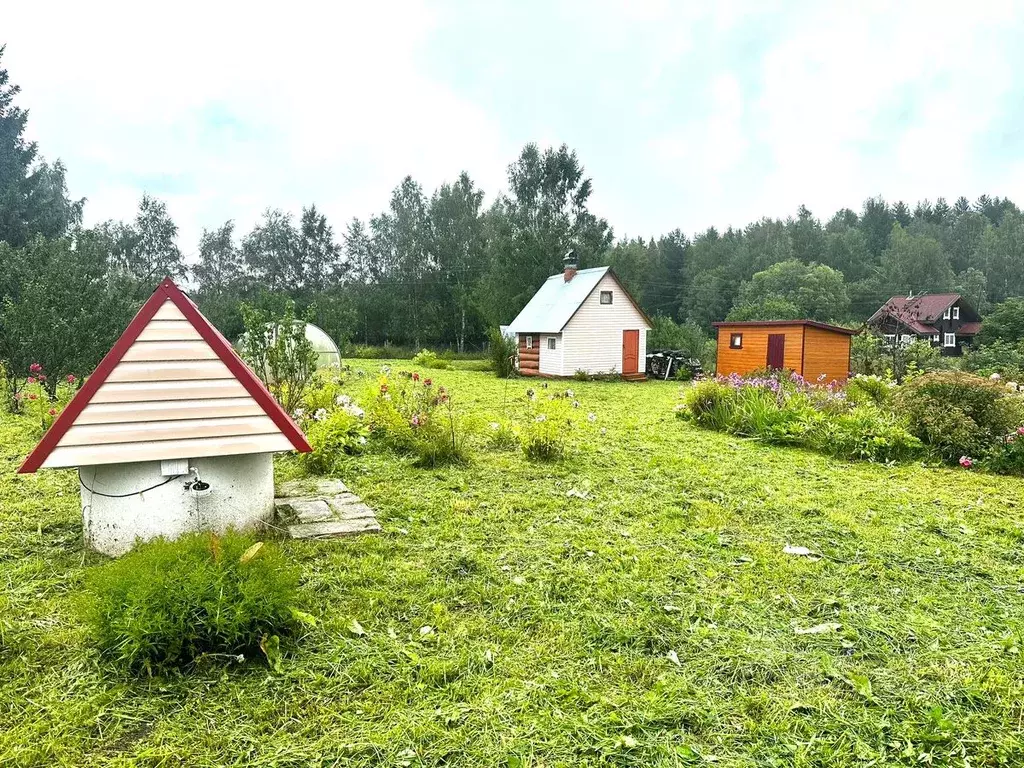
x=685, y=114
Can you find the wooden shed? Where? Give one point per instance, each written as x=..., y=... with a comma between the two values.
x=816, y=351
x=172, y=432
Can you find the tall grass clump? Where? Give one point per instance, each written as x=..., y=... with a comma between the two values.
x=168, y=603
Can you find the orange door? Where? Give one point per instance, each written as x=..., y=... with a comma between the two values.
x=630, y=351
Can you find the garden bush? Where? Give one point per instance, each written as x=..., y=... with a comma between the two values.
x=503, y=353
x=869, y=388
x=338, y=434
x=544, y=436
x=1008, y=456
x=710, y=403
x=428, y=359
x=959, y=414
x=168, y=603
x=996, y=357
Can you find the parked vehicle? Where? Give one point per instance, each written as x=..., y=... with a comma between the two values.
x=672, y=363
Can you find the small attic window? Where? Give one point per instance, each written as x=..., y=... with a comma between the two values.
x=956, y=313
x=736, y=341
x=606, y=297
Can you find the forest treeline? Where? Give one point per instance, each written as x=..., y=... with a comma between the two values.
x=438, y=268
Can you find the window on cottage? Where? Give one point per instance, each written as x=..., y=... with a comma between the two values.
x=945, y=315
x=736, y=341
x=890, y=339
x=935, y=338
x=906, y=338
x=950, y=340
x=956, y=313
x=606, y=297
x=529, y=342
x=551, y=342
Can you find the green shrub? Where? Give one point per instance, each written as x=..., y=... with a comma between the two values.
x=429, y=359
x=409, y=414
x=866, y=432
x=439, y=439
x=959, y=414
x=167, y=603
x=277, y=349
x=996, y=357
x=544, y=436
x=503, y=353
x=869, y=388
x=710, y=404
x=502, y=436
x=339, y=433
x=1008, y=456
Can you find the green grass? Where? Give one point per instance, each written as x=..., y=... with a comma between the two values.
x=553, y=617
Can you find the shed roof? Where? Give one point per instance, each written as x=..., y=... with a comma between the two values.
x=761, y=323
x=554, y=305
x=170, y=388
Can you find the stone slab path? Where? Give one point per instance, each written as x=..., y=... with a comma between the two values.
x=322, y=509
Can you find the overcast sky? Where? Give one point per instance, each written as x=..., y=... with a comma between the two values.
x=684, y=114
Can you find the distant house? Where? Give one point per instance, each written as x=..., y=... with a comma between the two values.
x=816, y=351
x=581, y=320
x=944, y=320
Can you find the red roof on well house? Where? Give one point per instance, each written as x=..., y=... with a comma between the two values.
x=167, y=293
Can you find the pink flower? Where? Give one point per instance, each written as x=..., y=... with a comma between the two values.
x=1020, y=430
x=18, y=396
x=35, y=368
x=42, y=377
x=71, y=378
x=30, y=380
x=966, y=462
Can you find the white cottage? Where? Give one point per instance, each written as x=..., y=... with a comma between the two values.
x=582, y=320
x=171, y=433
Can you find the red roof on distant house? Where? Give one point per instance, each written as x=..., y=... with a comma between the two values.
x=922, y=309
x=969, y=329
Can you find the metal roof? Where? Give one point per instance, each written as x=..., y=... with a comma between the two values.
x=556, y=302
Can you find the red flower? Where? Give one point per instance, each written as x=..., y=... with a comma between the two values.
x=966, y=462
x=53, y=411
x=415, y=377
x=35, y=368
x=33, y=396
x=383, y=388
x=71, y=378
x=42, y=377
x=428, y=382
x=30, y=380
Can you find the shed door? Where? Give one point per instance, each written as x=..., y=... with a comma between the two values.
x=630, y=351
x=776, y=351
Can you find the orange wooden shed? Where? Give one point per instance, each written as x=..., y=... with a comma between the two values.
x=817, y=351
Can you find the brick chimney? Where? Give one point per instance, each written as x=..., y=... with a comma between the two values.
x=570, y=264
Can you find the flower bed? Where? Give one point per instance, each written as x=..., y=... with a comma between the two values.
x=951, y=417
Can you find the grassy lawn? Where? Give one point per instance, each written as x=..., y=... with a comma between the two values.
x=656, y=621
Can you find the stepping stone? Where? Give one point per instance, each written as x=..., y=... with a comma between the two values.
x=323, y=509
x=333, y=529
x=306, y=510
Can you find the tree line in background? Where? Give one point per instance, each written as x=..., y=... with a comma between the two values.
x=440, y=269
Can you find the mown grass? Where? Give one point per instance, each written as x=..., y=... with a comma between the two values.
x=553, y=618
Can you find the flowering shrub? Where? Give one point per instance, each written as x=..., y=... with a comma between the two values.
x=1008, y=456
x=502, y=436
x=409, y=413
x=959, y=414
x=40, y=398
x=787, y=410
x=333, y=435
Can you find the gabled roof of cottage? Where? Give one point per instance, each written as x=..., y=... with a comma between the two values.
x=170, y=388
x=553, y=306
x=919, y=312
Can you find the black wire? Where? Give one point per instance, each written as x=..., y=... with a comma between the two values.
x=124, y=495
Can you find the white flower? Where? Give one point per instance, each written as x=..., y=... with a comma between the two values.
x=342, y=400
x=362, y=440
x=385, y=369
x=995, y=377
x=320, y=415
x=495, y=425
x=354, y=410
x=570, y=393
x=542, y=417
x=603, y=430
x=591, y=417
x=299, y=413
x=575, y=403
